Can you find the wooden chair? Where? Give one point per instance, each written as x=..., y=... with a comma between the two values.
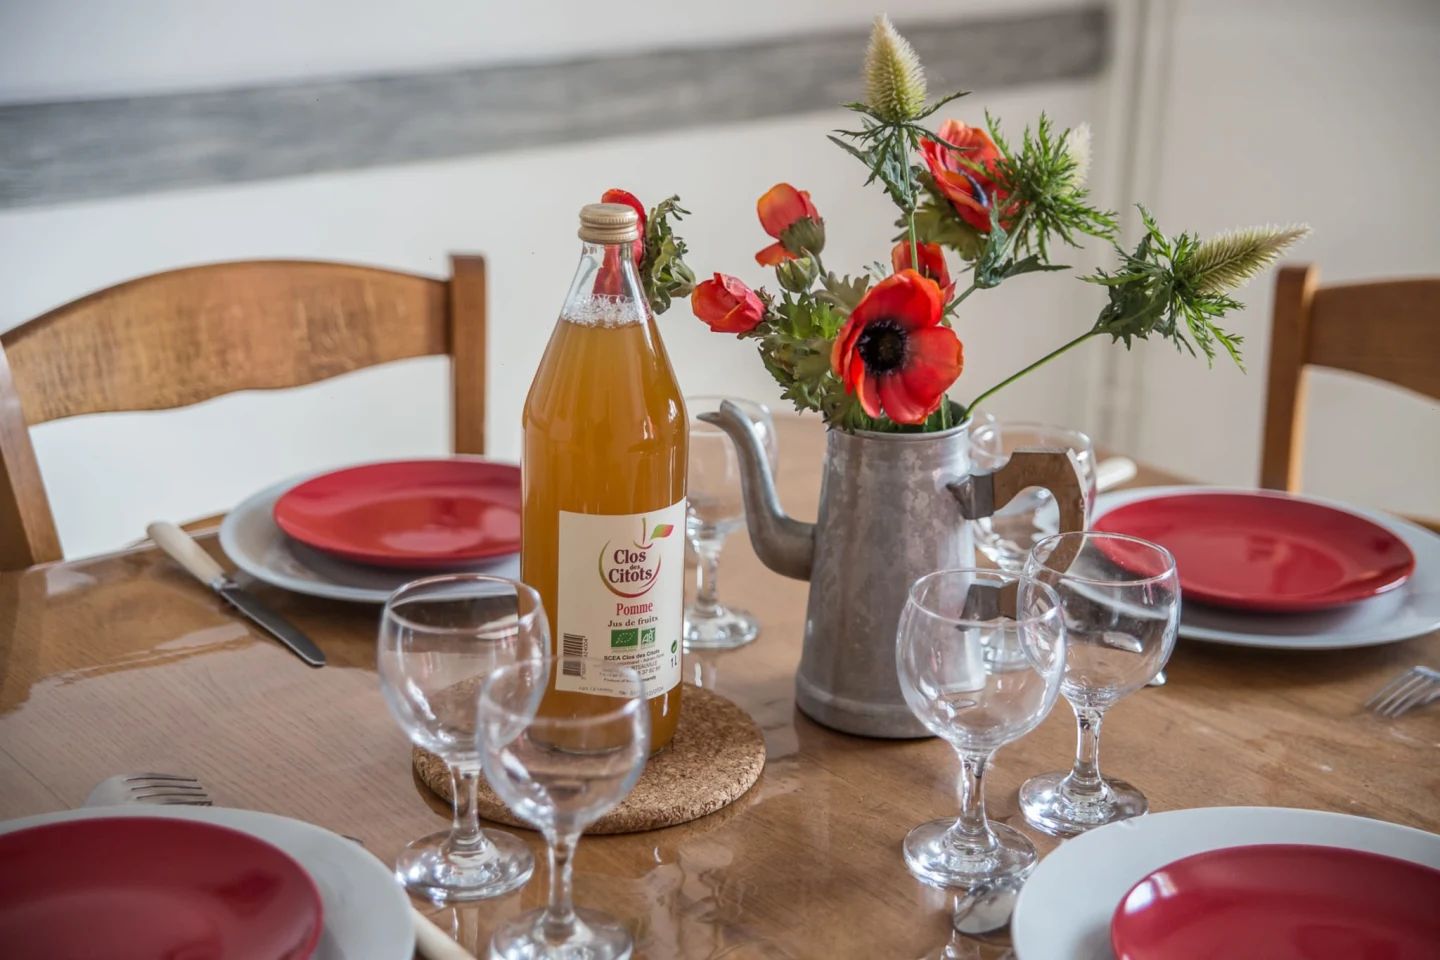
x=176, y=338
x=1387, y=329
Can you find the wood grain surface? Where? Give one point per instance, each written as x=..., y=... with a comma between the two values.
x=183, y=336
x=124, y=663
x=1385, y=329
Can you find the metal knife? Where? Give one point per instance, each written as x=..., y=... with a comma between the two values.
x=185, y=551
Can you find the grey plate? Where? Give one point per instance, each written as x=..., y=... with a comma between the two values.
x=251, y=539
x=1411, y=610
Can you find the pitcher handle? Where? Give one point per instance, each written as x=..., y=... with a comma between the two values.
x=980, y=495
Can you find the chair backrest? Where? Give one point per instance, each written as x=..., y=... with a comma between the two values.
x=176, y=338
x=1388, y=329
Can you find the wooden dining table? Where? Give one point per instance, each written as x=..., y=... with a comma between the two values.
x=124, y=663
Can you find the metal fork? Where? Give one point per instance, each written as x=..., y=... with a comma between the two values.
x=1413, y=688
x=163, y=788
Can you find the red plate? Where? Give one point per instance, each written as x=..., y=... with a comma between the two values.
x=408, y=513
x=138, y=888
x=1264, y=551
x=1281, y=902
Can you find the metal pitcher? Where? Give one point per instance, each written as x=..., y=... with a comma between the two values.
x=893, y=507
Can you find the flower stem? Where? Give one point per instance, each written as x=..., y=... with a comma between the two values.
x=1032, y=367
x=910, y=215
x=950, y=307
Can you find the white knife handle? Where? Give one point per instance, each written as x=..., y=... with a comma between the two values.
x=433, y=943
x=186, y=552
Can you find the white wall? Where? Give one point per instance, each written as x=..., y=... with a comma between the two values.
x=84, y=48
x=1321, y=111
x=1260, y=111
x=109, y=475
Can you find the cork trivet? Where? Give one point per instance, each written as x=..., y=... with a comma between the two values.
x=717, y=754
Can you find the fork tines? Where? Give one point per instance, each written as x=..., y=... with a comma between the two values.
x=166, y=788
x=1414, y=687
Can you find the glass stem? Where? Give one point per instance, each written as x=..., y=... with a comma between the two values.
x=465, y=836
x=707, y=578
x=972, y=830
x=559, y=922
x=1083, y=781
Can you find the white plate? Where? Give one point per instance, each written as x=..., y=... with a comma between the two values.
x=1412, y=610
x=367, y=915
x=250, y=537
x=1065, y=907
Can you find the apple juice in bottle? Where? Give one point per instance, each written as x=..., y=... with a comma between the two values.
x=603, y=473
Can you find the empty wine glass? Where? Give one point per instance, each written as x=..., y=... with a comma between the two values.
x=1007, y=536
x=714, y=511
x=439, y=638
x=980, y=654
x=561, y=770
x=1121, y=601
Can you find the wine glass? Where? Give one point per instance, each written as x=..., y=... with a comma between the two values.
x=1121, y=601
x=1032, y=515
x=980, y=655
x=714, y=511
x=561, y=770
x=439, y=638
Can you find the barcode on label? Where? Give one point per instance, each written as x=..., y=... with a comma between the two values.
x=576, y=646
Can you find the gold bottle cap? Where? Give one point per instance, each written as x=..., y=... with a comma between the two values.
x=608, y=223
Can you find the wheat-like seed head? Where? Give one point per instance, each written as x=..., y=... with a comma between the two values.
x=894, y=78
x=1228, y=259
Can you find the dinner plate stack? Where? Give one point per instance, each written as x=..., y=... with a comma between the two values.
x=1277, y=570
x=360, y=533
x=1261, y=882
x=139, y=881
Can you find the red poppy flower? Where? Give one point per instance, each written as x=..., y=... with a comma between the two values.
x=616, y=195
x=727, y=305
x=781, y=208
x=967, y=183
x=894, y=354
x=932, y=264
x=608, y=282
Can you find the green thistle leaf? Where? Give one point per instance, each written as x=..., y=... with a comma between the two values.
x=1176, y=288
x=1045, y=182
x=894, y=79
x=1227, y=260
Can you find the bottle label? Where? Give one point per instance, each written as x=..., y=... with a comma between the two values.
x=621, y=597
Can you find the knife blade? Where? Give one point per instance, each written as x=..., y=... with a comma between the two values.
x=181, y=548
x=272, y=622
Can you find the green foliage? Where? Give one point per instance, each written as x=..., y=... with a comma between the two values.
x=843, y=293
x=795, y=343
x=885, y=145
x=663, y=272
x=1044, y=182
x=996, y=263
x=797, y=275
x=1151, y=294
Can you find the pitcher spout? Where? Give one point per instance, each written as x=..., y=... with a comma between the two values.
x=782, y=543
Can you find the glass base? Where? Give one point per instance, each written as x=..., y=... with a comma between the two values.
x=1046, y=808
x=932, y=856
x=428, y=870
x=597, y=936
x=724, y=630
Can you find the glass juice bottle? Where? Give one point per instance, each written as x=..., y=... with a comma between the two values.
x=606, y=440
